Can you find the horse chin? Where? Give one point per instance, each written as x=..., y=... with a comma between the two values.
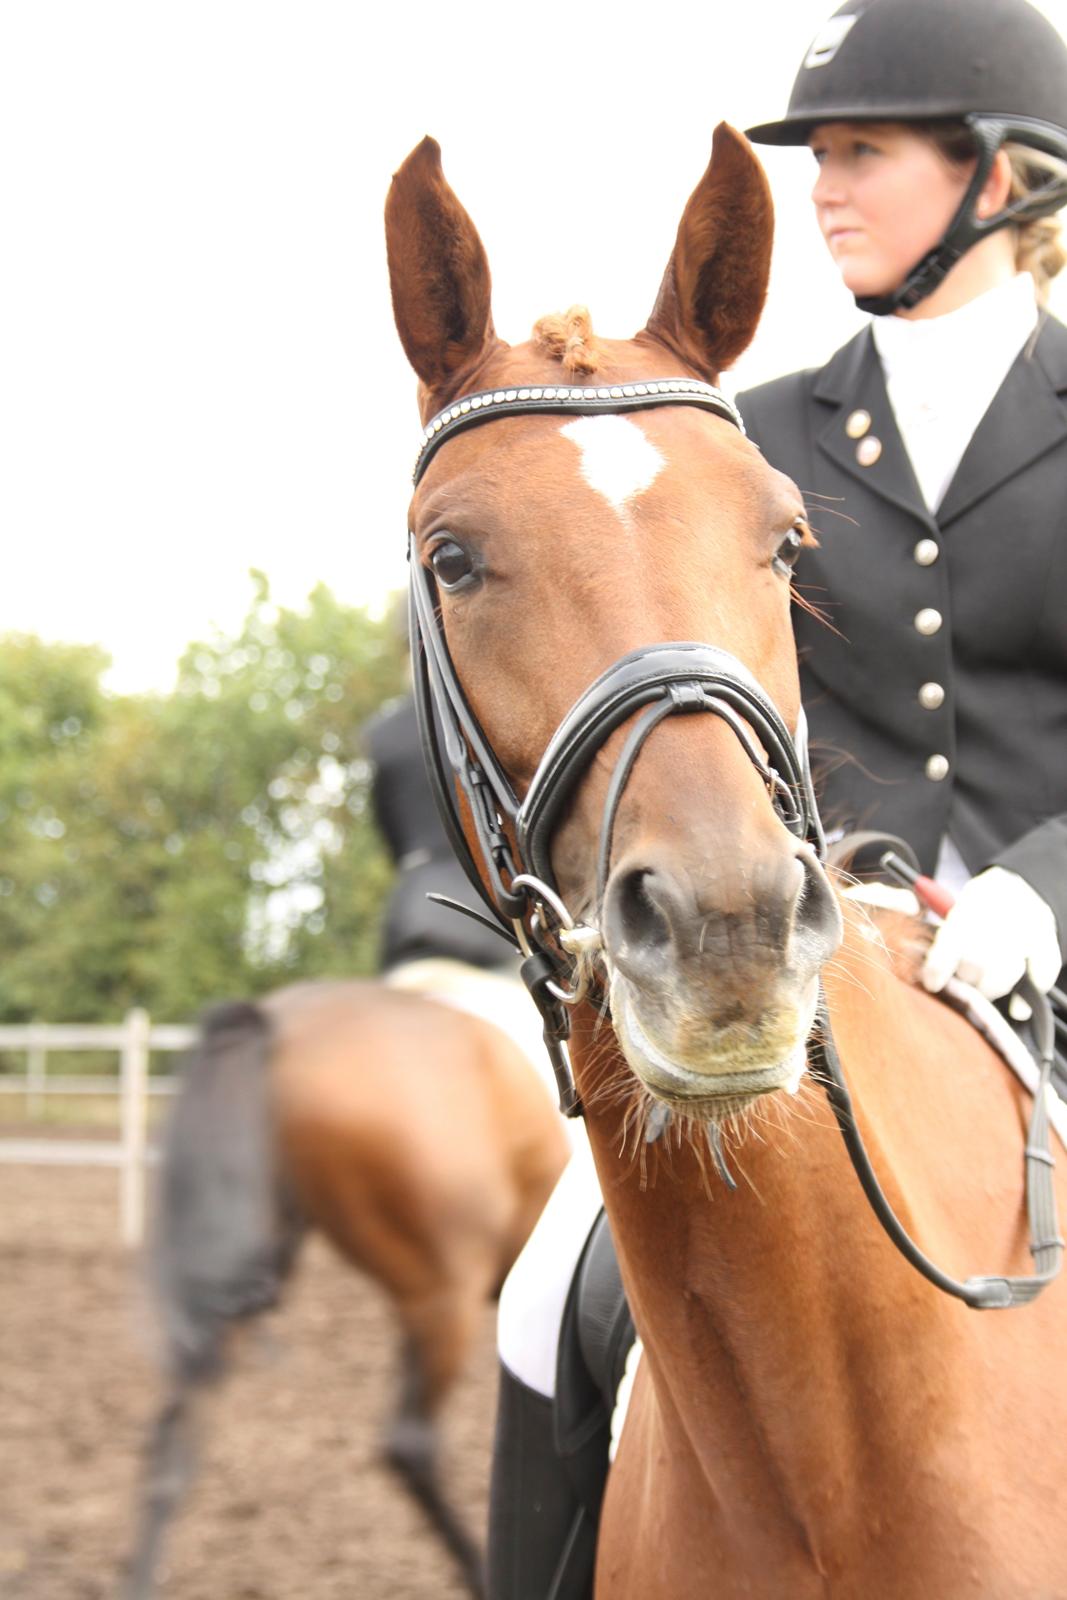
x=739, y=1064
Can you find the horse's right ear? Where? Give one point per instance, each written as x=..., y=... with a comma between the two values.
x=439, y=275
x=716, y=281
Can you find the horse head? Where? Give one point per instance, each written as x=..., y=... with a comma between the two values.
x=559, y=548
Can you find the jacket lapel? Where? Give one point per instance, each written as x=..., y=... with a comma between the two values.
x=852, y=381
x=1026, y=419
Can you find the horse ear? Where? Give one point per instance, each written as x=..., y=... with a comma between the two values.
x=716, y=281
x=439, y=274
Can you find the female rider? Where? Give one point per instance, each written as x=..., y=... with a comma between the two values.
x=933, y=447
x=933, y=452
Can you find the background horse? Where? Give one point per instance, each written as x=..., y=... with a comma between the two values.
x=416, y=1137
x=810, y=1417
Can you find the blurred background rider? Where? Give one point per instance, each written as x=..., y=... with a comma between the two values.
x=426, y=946
x=414, y=928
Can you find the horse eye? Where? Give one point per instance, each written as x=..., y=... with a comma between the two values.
x=785, y=557
x=451, y=563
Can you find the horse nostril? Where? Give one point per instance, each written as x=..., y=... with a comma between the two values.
x=635, y=922
x=661, y=924
x=818, y=916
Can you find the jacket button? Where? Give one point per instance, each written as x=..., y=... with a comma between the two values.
x=931, y=696
x=868, y=450
x=857, y=424
x=926, y=552
x=937, y=768
x=928, y=621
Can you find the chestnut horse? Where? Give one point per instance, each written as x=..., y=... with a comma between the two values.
x=811, y=1417
x=417, y=1138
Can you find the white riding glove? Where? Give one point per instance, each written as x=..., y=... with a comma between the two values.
x=998, y=929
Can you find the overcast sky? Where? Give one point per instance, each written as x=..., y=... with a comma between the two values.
x=198, y=367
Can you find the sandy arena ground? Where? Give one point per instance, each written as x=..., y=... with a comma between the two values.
x=290, y=1502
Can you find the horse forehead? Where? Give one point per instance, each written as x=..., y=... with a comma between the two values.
x=617, y=459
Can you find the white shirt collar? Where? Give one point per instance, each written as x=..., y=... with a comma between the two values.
x=942, y=374
x=1001, y=319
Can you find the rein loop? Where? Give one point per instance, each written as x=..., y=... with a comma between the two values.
x=985, y=1292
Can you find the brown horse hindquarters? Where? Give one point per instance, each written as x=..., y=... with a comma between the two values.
x=812, y=1417
x=416, y=1137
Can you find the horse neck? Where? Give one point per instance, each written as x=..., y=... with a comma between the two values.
x=790, y=1341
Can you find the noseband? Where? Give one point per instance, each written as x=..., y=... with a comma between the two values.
x=513, y=871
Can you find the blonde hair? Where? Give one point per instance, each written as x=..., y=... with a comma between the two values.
x=1039, y=247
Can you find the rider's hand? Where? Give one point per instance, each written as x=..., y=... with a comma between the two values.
x=998, y=928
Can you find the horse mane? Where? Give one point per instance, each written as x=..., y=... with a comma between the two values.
x=567, y=336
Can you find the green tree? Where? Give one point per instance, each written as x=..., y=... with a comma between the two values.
x=52, y=716
x=169, y=850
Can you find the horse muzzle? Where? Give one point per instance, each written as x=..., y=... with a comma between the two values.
x=714, y=978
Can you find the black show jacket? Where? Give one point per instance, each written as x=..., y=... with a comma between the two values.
x=992, y=563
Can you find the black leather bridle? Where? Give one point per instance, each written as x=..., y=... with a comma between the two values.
x=512, y=873
x=514, y=876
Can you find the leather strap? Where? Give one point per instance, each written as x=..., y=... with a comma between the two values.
x=569, y=400
x=987, y=1292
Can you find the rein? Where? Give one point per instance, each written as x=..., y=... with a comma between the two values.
x=983, y=1292
x=512, y=872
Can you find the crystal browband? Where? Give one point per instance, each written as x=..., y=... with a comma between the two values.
x=474, y=408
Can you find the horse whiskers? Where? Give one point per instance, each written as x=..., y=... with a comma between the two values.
x=760, y=1119
x=848, y=975
x=633, y=1124
x=635, y=1121
x=606, y=1097
x=807, y=1108
x=590, y=973
x=602, y=1014
x=772, y=1120
x=613, y=1087
x=871, y=928
x=811, y=494
x=699, y=1147
x=879, y=954
x=782, y=1113
x=813, y=609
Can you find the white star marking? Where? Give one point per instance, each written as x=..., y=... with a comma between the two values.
x=618, y=460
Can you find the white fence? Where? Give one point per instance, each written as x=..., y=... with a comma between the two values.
x=134, y=1040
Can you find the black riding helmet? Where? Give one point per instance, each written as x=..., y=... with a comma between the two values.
x=997, y=66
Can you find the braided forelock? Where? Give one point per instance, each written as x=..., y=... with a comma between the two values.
x=568, y=337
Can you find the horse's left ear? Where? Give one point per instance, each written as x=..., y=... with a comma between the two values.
x=439, y=277
x=716, y=281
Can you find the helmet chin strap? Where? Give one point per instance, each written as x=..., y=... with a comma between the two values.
x=966, y=228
